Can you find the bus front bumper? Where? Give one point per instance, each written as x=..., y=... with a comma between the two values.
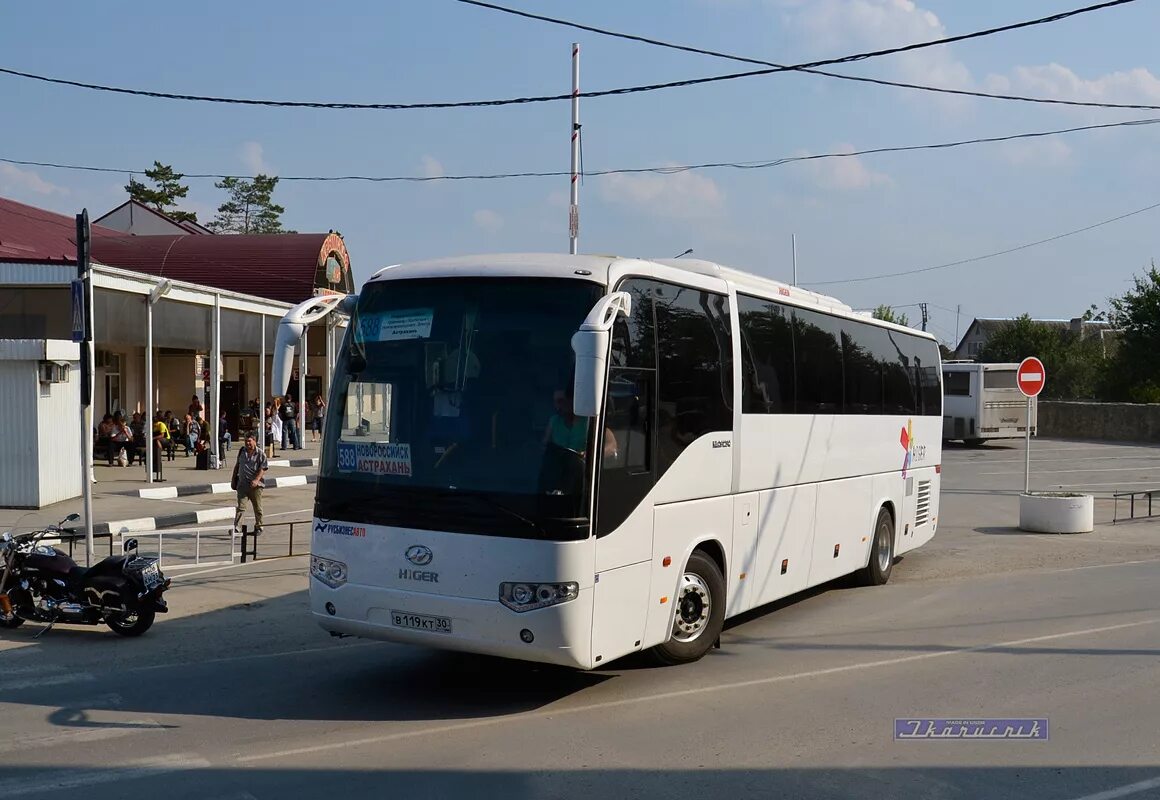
x=560, y=634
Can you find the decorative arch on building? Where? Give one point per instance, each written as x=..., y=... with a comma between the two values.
x=334, y=273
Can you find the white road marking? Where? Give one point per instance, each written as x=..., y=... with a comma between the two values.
x=68, y=678
x=1123, y=791
x=46, y=680
x=58, y=779
x=1042, y=461
x=71, y=736
x=681, y=693
x=1062, y=471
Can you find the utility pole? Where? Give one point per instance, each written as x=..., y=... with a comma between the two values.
x=574, y=202
x=958, y=311
x=922, y=307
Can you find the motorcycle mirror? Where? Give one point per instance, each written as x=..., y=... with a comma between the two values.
x=70, y=518
x=130, y=544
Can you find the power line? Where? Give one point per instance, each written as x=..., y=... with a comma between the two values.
x=667, y=170
x=987, y=255
x=549, y=98
x=812, y=71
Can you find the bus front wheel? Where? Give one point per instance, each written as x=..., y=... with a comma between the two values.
x=877, y=572
x=699, y=613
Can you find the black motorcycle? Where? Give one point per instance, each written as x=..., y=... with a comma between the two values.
x=43, y=584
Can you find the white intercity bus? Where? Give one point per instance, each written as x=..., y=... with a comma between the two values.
x=983, y=401
x=568, y=459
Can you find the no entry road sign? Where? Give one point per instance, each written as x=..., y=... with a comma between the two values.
x=1031, y=376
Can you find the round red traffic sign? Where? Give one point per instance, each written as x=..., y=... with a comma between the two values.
x=1031, y=376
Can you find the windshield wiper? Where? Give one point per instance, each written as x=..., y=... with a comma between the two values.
x=531, y=523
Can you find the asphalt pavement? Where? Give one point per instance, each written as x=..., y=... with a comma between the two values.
x=236, y=694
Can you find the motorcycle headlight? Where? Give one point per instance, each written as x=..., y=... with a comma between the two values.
x=529, y=596
x=331, y=572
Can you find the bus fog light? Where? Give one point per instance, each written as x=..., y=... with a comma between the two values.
x=529, y=596
x=527, y=636
x=332, y=573
x=330, y=609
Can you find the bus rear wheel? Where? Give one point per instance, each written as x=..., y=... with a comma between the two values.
x=699, y=613
x=877, y=572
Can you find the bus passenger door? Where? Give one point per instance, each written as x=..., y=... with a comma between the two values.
x=624, y=516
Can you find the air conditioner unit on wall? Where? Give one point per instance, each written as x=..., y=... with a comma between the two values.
x=54, y=371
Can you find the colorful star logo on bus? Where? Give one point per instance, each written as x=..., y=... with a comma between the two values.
x=907, y=442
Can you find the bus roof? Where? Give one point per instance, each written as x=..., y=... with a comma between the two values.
x=596, y=268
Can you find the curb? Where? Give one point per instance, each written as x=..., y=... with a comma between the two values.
x=293, y=462
x=157, y=523
x=169, y=492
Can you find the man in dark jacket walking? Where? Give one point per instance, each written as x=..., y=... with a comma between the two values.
x=289, y=414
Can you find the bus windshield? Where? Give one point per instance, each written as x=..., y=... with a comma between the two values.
x=451, y=409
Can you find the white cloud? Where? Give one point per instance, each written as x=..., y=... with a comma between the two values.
x=681, y=195
x=431, y=167
x=253, y=156
x=846, y=174
x=1057, y=81
x=837, y=26
x=24, y=181
x=1036, y=152
x=488, y=220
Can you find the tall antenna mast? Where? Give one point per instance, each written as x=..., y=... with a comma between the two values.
x=793, y=245
x=574, y=202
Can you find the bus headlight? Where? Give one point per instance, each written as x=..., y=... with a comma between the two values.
x=530, y=596
x=330, y=572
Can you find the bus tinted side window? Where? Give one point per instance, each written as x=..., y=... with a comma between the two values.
x=866, y=351
x=930, y=389
x=696, y=368
x=767, y=335
x=818, y=347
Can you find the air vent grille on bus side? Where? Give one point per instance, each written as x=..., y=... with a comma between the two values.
x=922, y=506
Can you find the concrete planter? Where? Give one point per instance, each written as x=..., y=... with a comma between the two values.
x=1056, y=512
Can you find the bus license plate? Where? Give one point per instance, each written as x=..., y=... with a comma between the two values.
x=421, y=622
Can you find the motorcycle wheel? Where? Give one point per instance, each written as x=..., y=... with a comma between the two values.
x=133, y=623
x=15, y=622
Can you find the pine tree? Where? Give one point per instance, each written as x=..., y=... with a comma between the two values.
x=250, y=207
x=163, y=195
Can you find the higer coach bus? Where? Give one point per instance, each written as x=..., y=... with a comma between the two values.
x=568, y=459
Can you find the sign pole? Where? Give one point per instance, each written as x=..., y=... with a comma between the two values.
x=1030, y=378
x=1027, y=453
x=84, y=274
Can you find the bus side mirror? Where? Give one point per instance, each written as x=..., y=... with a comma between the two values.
x=590, y=344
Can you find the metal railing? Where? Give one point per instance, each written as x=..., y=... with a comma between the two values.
x=251, y=540
x=1131, y=498
x=185, y=549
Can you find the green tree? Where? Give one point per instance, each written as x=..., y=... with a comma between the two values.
x=887, y=314
x=1075, y=363
x=167, y=189
x=1135, y=375
x=250, y=207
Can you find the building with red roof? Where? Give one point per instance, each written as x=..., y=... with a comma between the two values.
x=223, y=294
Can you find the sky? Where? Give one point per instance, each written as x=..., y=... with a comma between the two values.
x=852, y=217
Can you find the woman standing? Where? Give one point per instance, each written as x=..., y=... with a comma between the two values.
x=319, y=409
x=275, y=423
